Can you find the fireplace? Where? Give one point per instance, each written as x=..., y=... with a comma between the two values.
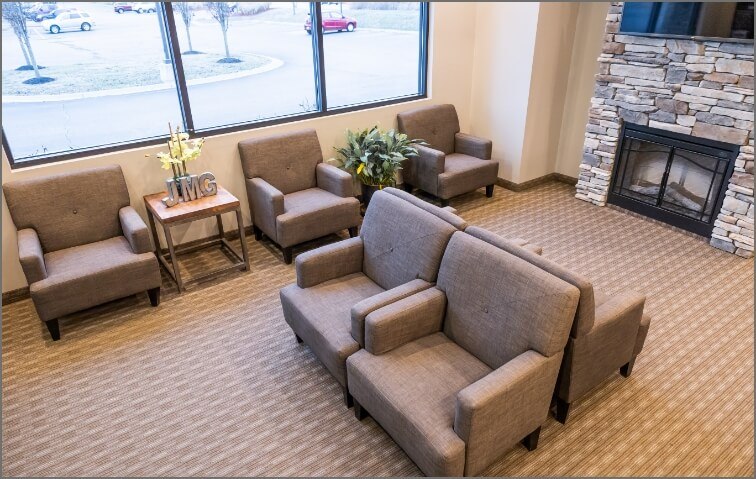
x=672, y=177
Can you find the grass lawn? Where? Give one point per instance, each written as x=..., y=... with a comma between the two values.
x=88, y=77
x=386, y=19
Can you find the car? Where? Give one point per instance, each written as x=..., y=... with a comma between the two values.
x=120, y=7
x=139, y=7
x=38, y=9
x=53, y=14
x=74, y=20
x=333, y=22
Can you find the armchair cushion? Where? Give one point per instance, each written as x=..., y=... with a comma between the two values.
x=411, y=391
x=90, y=274
x=405, y=320
x=266, y=203
x=463, y=173
x=503, y=407
x=320, y=315
x=31, y=256
x=335, y=180
x=436, y=124
x=361, y=310
x=312, y=213
x=472, y=146
x=329, y=262
x=135, y=230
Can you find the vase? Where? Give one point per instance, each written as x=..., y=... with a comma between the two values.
x=368, y=191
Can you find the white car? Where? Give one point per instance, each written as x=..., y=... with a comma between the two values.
x=144, y=7
x=74, y=20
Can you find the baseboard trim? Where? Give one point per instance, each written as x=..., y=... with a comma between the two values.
x=526, y=185
x=20, y=294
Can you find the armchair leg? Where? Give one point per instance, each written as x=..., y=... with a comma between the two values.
x=562, y=410
x=258, y=232
x=154, y=295
x=444, y=203
x=531, y=440
x=348, y=399
x=627, y=369
x=359, y=412
x=489, y=191
x=407, y=187
x=352, y=231
x=54, y=328
x=287, y=252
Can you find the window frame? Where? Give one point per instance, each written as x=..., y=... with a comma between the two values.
x=169, y=25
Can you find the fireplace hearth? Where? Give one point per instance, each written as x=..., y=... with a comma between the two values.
x=672, y=177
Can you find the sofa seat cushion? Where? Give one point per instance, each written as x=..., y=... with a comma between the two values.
x=84, y=276
x=321, y=316
x=312, y=213
x=464, y=173
x=412, y=392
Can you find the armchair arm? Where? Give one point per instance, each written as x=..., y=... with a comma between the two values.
x=472, y=145
x=135, y=230
x=334, y=180
x=267, y=205
x=329, y=262
x=405, y=320
x=360, y=310
x=503, y=407
x=31, y=256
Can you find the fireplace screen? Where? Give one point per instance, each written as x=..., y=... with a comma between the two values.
x=675, y=180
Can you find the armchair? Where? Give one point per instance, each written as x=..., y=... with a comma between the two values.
x=397, y=254
x=454, y=163
x=607, y=333
x=293, y=196
x=460, y=372
x=80, y=242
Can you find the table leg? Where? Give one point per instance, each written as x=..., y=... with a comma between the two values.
x=155, y=236
x=240, y=223
x=174, y=257
x=221, y=233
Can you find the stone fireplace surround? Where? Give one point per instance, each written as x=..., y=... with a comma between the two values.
x=698, y=88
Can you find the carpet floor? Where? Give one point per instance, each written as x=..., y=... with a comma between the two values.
x=212, y=382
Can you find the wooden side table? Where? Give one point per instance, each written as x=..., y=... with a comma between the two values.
x=205, y=207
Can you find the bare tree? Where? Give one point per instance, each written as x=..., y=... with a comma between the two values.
x=221, y=12
x=186, y=15
x=14, y=13
x=293, y=8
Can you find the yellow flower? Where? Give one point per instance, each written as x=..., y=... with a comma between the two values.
x=360, y=168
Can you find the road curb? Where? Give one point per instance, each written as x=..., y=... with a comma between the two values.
x=273, y=64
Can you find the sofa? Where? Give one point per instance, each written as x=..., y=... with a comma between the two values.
x=293, y=196
x=607, y=333
x=460, y=372
x=452, y=163
x=80, y=242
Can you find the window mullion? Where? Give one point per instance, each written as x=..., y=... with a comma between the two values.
x=169, y=23
x=318, y=56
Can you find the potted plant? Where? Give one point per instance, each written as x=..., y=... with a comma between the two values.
x=374, y=156
x=180, y=150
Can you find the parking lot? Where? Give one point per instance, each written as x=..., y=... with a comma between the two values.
x=367, y=64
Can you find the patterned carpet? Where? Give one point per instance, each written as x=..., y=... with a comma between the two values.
x=212, y=383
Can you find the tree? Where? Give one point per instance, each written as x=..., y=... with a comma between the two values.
x=221, y=12
x=186, y=15
x=293, y=8
x=14, y=13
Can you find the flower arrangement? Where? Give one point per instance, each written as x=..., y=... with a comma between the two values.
x=180, y=150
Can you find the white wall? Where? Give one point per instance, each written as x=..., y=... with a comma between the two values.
x=452, y=41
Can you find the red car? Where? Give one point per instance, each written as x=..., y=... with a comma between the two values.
x=333, y=22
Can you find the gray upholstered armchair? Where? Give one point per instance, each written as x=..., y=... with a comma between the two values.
x=607, y=333
x=293, y=196
x=453, y=163
x=397, y=253
x=80, y=242
x=460, y=372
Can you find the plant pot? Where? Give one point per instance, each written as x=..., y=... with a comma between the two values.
x=368, y=191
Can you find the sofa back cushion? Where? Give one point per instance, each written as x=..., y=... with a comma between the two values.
x=69, y=209
x=499, y=305
x=401, y=241
x=286, y=161
x=586, y=310
x=446, y=215
x=436, y=124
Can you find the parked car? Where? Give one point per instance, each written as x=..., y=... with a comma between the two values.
x=74, y=20
x=333, y=22
x=38, y=9
x=120, y=7
x=53, y=14
x=144, y=7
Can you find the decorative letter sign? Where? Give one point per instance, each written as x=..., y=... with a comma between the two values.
x=190, y=188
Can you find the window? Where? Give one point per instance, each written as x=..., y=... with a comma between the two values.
x=89, y=77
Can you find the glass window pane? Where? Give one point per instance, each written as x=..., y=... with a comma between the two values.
x=372, y=53
x=100, y=80
x=246, y=61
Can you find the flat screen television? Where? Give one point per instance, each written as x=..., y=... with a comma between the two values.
x=720, y=20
